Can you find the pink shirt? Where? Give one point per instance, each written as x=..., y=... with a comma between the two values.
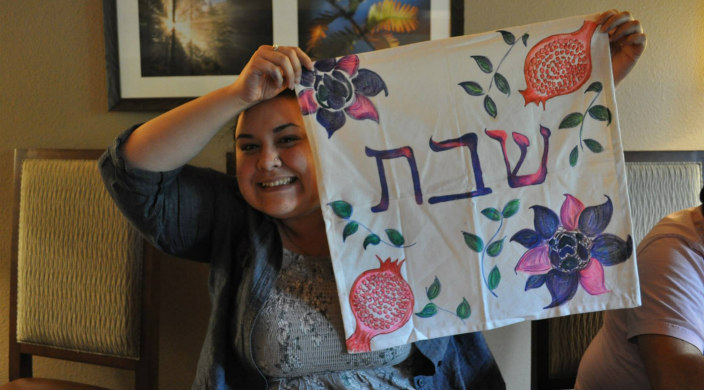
x=671, y=270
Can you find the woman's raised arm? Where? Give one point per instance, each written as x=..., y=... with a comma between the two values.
x=175, y=137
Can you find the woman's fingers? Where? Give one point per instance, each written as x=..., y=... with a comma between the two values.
x=289, y=62
x=268, y=71
x=626, y=39
x=291, y=66
x=624, y=30
x=619, y=24
x=304, y=59
x=635, y=39
x=613, y=18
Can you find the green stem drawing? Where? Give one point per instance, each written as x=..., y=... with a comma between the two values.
x=581, y=126
x=485, y=65
x=494, y=247
x=491, y=241
x=344, y=210
x=598, y=112
x=462, y=312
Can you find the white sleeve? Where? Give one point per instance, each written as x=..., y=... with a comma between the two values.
x=672, y=291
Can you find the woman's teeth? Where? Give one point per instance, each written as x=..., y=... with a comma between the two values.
x=276, y=183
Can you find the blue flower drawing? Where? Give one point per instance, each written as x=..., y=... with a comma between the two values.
x=571, y=249
x=337, y=89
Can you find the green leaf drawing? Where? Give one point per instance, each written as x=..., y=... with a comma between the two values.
x=341, y=208
x=509, y=38
x=511, y=208
x=428, y=311
x=350, y=229
x=494, y=278
x=594, y=146
x=492, y=213
x=490, y=106
x=463, y=310
x=600, y=113
x=502, y=84
x=371, y=239
x=434, y=289
x=571, y=120
x=484, y=64
x=494, y=249
x=395, y=237
x=594, y=87
x=473, y=242
x=472, y=88
x=574, y=155
x=524, y=38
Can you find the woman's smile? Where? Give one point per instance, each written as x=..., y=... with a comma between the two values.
x=277, y=183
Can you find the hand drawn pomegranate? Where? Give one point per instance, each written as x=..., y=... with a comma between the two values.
x=381, y=301
x=558, y=65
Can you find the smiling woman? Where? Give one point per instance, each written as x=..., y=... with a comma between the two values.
x=276, y=319
x=275, y=170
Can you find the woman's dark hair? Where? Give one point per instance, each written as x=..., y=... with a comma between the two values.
x=285, y=93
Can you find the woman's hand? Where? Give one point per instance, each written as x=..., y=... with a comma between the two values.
x=269, y=71
x=175, y=137
x=626, y=38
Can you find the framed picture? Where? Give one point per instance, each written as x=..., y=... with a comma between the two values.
x=162, y=53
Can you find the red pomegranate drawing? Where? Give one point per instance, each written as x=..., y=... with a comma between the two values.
x=381, y=301
x=558, y=65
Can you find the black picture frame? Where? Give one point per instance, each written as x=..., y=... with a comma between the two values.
x=116, y=102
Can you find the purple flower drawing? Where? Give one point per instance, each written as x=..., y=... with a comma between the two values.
x=339, y=88
x=570, y=250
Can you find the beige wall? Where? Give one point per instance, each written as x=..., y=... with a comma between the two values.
x=53, y=94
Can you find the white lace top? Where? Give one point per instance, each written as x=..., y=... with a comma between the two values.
x=299, y=337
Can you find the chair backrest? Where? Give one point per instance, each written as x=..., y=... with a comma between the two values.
x=83, y=283
x=659, y=183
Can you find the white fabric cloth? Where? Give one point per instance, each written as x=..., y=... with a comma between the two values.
x=671, y=268
x=464, y=161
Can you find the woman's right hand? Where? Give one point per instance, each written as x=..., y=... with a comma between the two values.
x=175, y=137
x=269, y=71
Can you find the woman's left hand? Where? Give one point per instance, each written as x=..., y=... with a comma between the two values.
x=626, y=38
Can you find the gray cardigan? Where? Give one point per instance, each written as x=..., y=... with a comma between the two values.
x=198, y=214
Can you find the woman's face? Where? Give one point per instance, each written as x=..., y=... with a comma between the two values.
x=275, y=170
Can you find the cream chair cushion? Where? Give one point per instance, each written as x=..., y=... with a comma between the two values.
x=79, y=262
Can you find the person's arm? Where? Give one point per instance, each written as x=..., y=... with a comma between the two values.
x=175, y=137
x=177, y=210
x=671, y=363
x=669, y=326
x=626, y=39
